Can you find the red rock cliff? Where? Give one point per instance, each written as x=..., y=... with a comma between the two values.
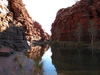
x=17, y=27
x=21, y=15
x=66, y=21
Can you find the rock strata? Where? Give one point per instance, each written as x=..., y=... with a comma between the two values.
x=67, y=19
x=17, y=29
x=6, y=51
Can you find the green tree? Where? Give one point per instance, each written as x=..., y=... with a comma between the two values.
x=92, y=30
x=57, y=33
x=78, y=32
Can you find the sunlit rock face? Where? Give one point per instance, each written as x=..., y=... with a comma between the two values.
x=65, y=24
x=17, y=27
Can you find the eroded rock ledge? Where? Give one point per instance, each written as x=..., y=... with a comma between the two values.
x=17, y=27
x=82, y=12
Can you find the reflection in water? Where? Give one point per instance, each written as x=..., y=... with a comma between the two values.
x=37, y=52
x=80, y=61
x=48, y=67
x=76, y=61
x=43, y=62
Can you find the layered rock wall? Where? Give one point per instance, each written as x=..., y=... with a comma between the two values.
x=17, y=27
x=65, y=24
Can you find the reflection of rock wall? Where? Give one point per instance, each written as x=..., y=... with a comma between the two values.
x=67, y=61
x=63, y=59
x=37, y=52
x=66, y=21
x=17, y=27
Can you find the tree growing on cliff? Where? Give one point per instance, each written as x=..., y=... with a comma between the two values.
x=57, y=33
x=78, y=32
x=92, y=30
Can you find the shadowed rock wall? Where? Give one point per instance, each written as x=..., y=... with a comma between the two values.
x=17, y=29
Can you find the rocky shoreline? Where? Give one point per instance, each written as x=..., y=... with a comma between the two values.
x=15, y=64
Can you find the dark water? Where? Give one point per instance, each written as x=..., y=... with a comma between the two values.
x=80, y=61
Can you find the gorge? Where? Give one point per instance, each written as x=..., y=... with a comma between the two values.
x=19, y=35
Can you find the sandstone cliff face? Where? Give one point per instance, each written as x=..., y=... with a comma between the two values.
x=17, y=27
x=82, y=12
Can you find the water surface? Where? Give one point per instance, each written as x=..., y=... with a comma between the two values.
x=69, y=61
x=80, y=61
x=49, y=68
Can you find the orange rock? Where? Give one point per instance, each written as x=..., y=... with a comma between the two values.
x=17, y=25
x=65, y=24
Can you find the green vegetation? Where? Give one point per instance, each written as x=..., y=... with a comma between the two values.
x=37, y=68
x=57, y=33
x=70, y=44
x=92, y=30
x=20, y=63
x=67, y=44
x=78, y=32
x=79, y=72
x=16, y=57
x=78, y=61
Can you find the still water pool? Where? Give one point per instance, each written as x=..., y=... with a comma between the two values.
x=49, y=68
x=57, y=61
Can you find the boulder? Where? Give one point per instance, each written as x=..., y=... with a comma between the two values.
x=1, y=71
x=6, y=51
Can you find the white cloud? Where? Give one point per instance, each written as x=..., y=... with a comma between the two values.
x=44, y=11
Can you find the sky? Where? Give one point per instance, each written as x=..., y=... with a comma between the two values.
x=44, y=11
